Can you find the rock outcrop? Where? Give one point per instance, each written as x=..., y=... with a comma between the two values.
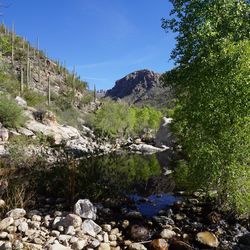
x=140, y=88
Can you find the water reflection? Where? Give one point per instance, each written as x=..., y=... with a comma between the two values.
x=98, y=178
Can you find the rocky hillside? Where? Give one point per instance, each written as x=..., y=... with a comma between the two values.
x=141, y=88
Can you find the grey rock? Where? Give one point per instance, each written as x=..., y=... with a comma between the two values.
x=16, y=213
x=85, y=209
x=6, y=223
x=58, y=246
x=91, y=228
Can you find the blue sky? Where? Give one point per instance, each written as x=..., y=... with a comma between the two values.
x=103, y=39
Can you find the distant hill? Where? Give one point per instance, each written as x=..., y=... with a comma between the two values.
x=142, y=87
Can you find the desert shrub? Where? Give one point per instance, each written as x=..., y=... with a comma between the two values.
x=11, y=115
x=115, y=119
x=33, y=98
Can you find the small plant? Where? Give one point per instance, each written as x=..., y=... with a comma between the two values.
x=11, y=115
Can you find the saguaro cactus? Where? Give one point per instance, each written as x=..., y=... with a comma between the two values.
x=94, y=93
x=21, y=81
x=12, y=43
x=49, y=89
x=28, y=66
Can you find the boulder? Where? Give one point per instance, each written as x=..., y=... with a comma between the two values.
x=104, y=246
x=179, y=245
x=164, y=136
x=16, y=213
x=207, y=239
x=139, y=233
x=71, y=220
x=85, y=209
x=159, y=244
x=167, y=234
x=91, y=228
x=25, y=131
x=6, y=223
x=58, y=246
x=146, y=149
x=137, y=246
x=20, y=101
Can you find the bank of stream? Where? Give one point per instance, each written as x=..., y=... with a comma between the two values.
x=136, y=188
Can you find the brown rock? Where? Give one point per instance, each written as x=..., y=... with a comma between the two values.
x=159, y=244
x=179, y=245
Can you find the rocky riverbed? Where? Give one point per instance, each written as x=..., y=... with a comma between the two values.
x=190, y=223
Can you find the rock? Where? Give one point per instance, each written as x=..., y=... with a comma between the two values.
x=95, y=243
x=2, y=202
x=6, y=223
x=3, y=235
x=25, y=131
x=146, y=149
x=91, y=228
x=20, y=101
x=23, y=226
x=106, y=228
x=58, y=246
x=6, y=246
x=159, y=244
x=164, y=136
x=85, y=209
x=167, y=234
x=134, y=215
x=104, y=246
x=137, y=246
x=139, y=233
x=79, y=245
x=163, y=220
x=179, y=245
x=16, y=213
x=207, y=239
x=112, y=237
x=245, y=239
x=125, y=224
x=4, y=134
x=70, y=230
x=33, y=246
x=71, y=220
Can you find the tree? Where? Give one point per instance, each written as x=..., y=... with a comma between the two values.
x=212, y=83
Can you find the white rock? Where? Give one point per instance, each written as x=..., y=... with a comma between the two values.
x=71, y=220
x=106, y=228
x=85, y=209
x=91, y=228
x=104, y=246
x=20, y=101
x=167, y=234
x=3, y=235
x=137, y=246
x=6, y=223
x=4, y=134
x=70, y=230
x=23, y=226
x=58, y=246
x=16, y=213
x=79, y=245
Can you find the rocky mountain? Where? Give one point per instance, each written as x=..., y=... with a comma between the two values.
x=143, y=87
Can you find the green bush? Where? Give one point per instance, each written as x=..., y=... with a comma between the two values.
x=119, y=119
x=11, y=115
x=33, y=98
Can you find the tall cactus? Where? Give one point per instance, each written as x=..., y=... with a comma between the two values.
x=48, y=93
x=94, y=93
x=12, y=43
x=21, y=81
x=28, y=66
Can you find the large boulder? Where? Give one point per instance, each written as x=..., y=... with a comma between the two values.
x=146, y=149
x=85, y=209
x=164, y=136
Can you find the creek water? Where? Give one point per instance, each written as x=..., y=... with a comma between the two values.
x=118, y=178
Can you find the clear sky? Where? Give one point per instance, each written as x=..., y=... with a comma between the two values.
x=104, y=39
